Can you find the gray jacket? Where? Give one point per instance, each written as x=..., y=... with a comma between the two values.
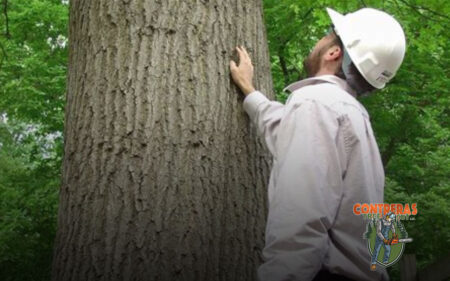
x=325, y=160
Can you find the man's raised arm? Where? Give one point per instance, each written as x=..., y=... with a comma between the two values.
x=264, y=113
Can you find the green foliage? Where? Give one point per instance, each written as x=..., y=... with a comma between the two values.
x=29, y=176
x=33, y=59
x=33, y=62
x=410, y=118
x=401, y=230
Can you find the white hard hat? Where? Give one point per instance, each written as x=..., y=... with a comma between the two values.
x=374, y=40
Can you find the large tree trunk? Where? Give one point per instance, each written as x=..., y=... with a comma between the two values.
x=164, y=177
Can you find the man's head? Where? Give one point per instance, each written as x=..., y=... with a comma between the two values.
x=325, y=57
x=390, y=216
x=374, y=44
x=374, y=49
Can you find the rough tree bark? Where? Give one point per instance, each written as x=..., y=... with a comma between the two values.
x=164, y=177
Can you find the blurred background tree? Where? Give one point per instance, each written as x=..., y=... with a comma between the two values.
x=33, y=56
x=410, y=117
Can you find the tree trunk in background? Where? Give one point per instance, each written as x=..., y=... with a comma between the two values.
x=164, y=177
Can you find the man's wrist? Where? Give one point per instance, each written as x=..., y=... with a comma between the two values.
x=248, y=89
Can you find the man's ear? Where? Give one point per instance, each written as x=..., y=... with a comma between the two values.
x=334, y=53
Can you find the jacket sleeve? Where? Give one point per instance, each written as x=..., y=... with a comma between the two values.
x=379, y=234
x=266, y=115
x=307, y=194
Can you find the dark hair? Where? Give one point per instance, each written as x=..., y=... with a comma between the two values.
x=353, y=77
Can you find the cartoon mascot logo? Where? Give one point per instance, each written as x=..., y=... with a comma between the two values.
x=385, y=234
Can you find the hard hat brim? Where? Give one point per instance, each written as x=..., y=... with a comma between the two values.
x=336, y=18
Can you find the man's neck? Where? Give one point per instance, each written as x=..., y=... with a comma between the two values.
x=324, y=71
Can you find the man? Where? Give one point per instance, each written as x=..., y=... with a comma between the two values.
x=324, y=150
x=384, y=225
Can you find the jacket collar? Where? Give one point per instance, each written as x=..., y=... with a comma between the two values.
x=341, y=83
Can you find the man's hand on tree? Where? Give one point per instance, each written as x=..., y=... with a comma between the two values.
x=243, y=74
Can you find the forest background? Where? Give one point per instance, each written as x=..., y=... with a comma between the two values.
x=410, y=118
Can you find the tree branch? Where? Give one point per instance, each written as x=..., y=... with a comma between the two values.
x=4, y=54
x=5, y=12
x=399, y=137
x=388, y=152
x=284, y=67
x=418, y=8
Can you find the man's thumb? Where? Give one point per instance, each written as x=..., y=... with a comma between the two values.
x=232, y=65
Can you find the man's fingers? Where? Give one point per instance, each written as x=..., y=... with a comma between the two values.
x=233, y=65
x=244, y=57
x=240, y=53
x=244, y=54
